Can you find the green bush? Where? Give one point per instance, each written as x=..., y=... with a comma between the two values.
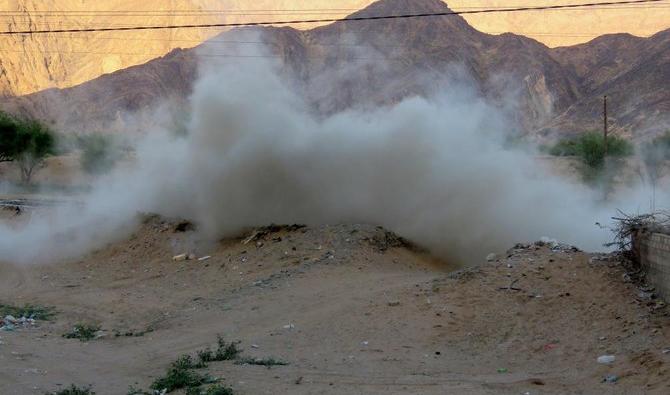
x=179, y=376
x=99, y=153
x=590, y=148
x=83, y=332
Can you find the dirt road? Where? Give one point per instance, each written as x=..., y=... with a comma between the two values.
x=350, y=308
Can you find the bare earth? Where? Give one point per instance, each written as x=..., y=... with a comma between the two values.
x=351, y=309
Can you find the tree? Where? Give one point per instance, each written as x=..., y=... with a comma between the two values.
x=26, y=142
x=8, y=137
x=599, y=166
x=99, y=153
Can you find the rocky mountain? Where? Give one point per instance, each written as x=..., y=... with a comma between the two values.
x=633, y=72
x=547, y=91
x=30, y=63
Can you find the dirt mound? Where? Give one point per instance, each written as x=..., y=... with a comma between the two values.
x=348, y=308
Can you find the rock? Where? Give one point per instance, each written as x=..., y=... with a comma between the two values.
x=180, y=258
x=491, y=257
x=606, y=359
x=611, y=378
x=394, y=303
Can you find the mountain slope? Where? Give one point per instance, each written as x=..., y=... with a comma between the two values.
x=36, y=62
x=32, y=63
x=358, y=64
x=633, y=72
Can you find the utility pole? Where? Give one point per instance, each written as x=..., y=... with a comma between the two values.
x=605, y=123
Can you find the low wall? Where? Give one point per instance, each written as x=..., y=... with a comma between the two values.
x=653, y=251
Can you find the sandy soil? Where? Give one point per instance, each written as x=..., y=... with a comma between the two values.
x=352, y=310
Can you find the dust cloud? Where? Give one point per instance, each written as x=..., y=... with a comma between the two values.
x=433, y=170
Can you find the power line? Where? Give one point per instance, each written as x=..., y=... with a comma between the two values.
x=330, y=20
x=237, y=12
x=315, y=44
x=60, y=14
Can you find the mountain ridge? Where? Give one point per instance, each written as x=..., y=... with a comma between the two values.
x=558, y=90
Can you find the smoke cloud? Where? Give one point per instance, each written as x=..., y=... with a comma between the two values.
x=433, y=170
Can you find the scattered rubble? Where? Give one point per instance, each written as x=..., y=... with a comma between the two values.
x=9, y=323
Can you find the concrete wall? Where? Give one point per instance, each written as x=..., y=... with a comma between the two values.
x=653, y=250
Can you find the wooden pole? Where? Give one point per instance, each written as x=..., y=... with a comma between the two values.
x=605, y=124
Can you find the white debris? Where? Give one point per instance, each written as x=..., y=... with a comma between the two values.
x=204, y=258
x=180, y=258
x=549, y=241
x=606, y=359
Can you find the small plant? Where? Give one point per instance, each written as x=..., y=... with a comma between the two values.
x=73, y=390
x=206, y=355
x=226, y=351
x=83, y=332
x=118, y=333
x=269, y=362
x=29, y=311
x=181, y=375
x=187, y=362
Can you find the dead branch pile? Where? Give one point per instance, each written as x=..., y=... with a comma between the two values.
x=627, y=226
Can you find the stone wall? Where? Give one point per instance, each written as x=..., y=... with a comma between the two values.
x=653, y=251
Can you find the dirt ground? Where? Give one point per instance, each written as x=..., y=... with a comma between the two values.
x=349, y=307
